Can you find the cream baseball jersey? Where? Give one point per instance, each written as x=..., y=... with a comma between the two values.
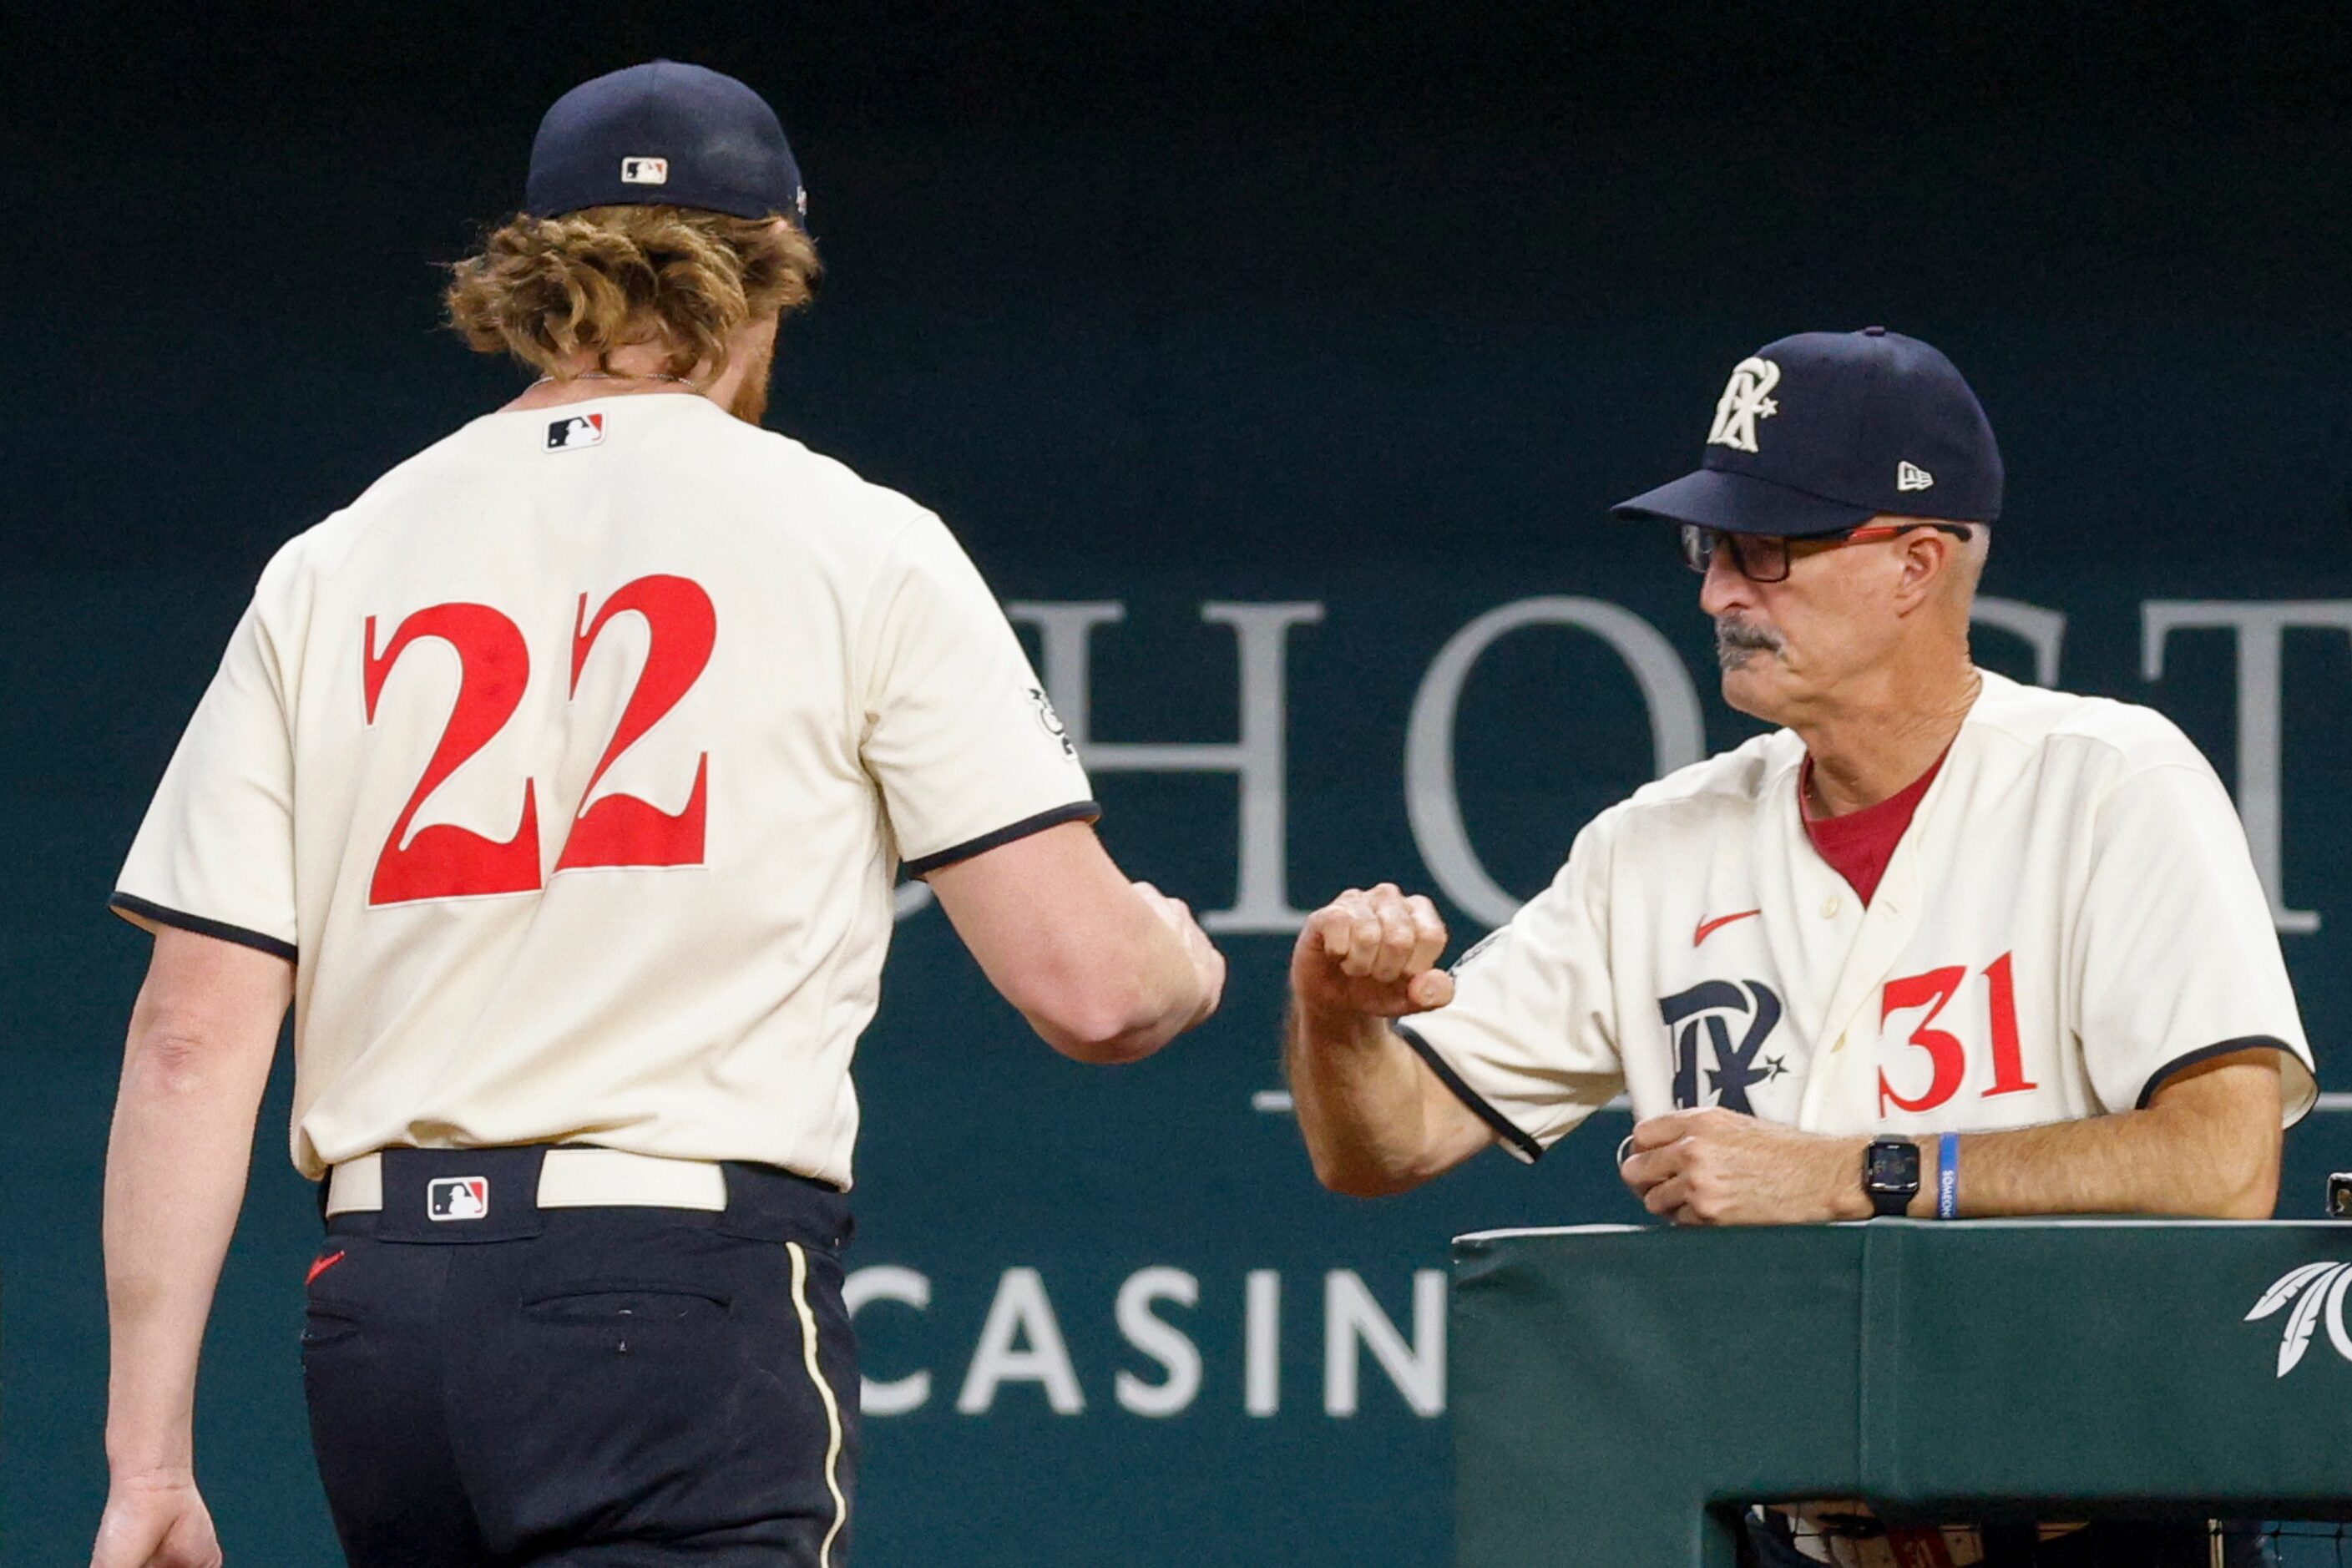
x=2073, y=915
x=574, y=763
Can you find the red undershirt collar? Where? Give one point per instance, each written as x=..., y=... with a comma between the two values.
x=1859, y=845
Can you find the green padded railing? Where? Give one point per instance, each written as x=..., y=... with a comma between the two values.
x=1620, y=1395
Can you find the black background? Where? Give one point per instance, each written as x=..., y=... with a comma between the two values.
x=2115, y=218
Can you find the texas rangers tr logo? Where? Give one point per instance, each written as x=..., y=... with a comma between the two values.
x=1711, y=1008
x=1745, y=401
x=457, y=1197
x=2322, y=1287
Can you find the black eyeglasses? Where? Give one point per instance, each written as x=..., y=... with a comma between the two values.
x=1764, y=557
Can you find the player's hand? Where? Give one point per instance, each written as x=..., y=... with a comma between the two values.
x=1719, y=1167
x=1371, y=952
x=1208, y=963
x=156, y=1520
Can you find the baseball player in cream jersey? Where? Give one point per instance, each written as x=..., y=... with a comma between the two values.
x=1941, y=944
x=559, y=783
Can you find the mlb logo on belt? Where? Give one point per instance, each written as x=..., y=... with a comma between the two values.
x=457, y=1197
x=579, y=430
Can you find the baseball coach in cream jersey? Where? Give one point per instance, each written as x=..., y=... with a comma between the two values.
x=559, y=783
x=1941, y=944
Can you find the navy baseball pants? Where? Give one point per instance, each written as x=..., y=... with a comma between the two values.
x=589, y=1388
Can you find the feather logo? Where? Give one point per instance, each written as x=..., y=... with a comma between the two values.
x=2320, y=1287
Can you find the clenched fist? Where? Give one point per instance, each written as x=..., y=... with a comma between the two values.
x=1208, y=963
x=1371, y=953
x=156, y=1520
x=1715, y=1166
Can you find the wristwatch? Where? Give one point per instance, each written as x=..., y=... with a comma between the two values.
x=1890, y=1176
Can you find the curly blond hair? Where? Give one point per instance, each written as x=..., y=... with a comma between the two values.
x=547, y=290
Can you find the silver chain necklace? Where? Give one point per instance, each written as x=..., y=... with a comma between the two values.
x=608, y=375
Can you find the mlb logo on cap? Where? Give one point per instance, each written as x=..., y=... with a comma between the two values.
x=457, y=1197
x=722, y=148
x=578, y=430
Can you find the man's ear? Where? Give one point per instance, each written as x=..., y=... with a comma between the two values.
x=1927, y=560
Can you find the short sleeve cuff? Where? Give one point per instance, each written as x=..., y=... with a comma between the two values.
x=2296, y=1076
x=143, y=912
x=1076, y=811
x=1516, y=1140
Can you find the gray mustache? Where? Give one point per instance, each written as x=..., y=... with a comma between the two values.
x=1735, y=640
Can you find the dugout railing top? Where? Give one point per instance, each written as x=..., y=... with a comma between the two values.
x=1621, y=1394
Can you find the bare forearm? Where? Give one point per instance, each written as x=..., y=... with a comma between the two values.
x=1144, y=991
x=1104, y=970
x=175, y=1172
x=1171, y=998
x=201, y=1037
x=1376, y=1119
x=2139, y=1162
x=1358, y=1093
x=2207, y=1144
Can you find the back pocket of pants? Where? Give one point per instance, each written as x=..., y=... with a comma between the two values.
x=611, y=1303
x=329, y=1323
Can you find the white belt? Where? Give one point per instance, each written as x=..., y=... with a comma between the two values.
x=568, y=1179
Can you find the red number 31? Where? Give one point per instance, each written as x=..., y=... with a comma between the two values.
x=1931, y=991
x=494, y=669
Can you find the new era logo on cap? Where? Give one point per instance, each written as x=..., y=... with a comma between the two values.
x=578, y=430
x=457, y=1197
x=645, y=171
x=1912, y=476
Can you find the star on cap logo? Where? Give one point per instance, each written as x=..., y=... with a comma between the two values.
x=1746, y=399
x=1912, y=476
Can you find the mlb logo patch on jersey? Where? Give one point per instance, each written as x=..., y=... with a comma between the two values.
x=457, y=1197
x=571, y=434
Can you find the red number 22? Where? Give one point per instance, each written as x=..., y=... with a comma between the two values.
x=621, y=829
x=494, y=663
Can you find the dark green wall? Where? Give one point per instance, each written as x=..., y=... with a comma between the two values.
x=1163, y=306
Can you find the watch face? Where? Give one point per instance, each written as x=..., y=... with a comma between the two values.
x=1892, y=1167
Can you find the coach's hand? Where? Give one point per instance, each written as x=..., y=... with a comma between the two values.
x=1208, y=963
x=156, y=1520
x=1371, y=953
x=1719, y=1167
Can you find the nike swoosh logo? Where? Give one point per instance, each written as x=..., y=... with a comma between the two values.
x=321, y=1267
x=1708, y=928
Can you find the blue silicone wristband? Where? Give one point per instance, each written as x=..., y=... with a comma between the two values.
x=1948, y=1176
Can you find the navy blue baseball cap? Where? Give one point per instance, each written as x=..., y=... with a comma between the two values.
x=1824, y=431
x=663, y=134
